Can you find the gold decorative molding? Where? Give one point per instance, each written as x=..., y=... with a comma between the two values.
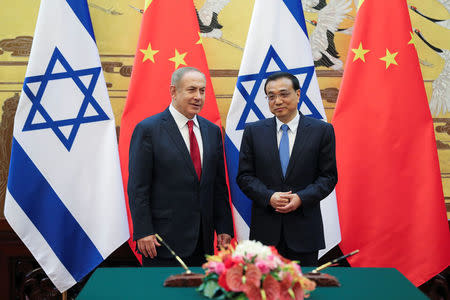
x=234, y=73
x=6, y=132
x=440, y=145
x=108, y=66
x=19, y=46
x=330, y=94
x=444, y=128
x=13, y=63
x=223, y=73
x=329, y=73
x=126, y=71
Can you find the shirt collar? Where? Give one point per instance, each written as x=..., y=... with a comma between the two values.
x=292, y=124
x=181, y=119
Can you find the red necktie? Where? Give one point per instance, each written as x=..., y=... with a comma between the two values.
x=195, y=152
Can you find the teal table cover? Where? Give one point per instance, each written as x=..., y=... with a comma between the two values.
x=147, y=283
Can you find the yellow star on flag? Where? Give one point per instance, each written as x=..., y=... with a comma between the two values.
x=360, y=52
x=389, y=58
x=360, y=3
x=147, y=4
x=412, y=40
x=200, y=41
x=149, y=53
x=178, y=59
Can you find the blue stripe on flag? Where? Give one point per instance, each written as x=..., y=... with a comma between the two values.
x=295, y=7
x=240, y=201
x=48, y=213
x=81, y=10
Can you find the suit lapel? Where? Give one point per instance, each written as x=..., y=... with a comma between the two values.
x=272, y=144
x=301, y=137
x=174, y=133
x=206, y=146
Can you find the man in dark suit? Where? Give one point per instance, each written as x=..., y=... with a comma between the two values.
x=177, y=186
x=287, y=165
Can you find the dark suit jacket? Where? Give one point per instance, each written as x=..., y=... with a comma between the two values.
x=311, y=173
x=164, y=192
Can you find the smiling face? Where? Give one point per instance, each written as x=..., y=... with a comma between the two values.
x=283, y=99
x=188, y=95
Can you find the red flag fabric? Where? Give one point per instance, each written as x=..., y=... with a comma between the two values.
x=390, y=198
x=169, y=39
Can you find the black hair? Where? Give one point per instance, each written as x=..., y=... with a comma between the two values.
x=278, y=75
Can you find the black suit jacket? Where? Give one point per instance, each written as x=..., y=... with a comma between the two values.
x=311, y=173
x=164, y=192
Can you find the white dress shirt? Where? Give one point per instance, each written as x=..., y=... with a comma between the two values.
x=292, y=131
x=181, y=122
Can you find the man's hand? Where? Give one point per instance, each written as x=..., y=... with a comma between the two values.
x=279, y=199
x=223, y=240
x=294, y=203
x=147, y=245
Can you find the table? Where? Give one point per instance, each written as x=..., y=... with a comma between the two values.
x=147, y=283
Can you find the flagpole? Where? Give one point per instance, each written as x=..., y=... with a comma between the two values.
x=64, y=295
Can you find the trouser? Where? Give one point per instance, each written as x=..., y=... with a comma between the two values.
x=308, y=259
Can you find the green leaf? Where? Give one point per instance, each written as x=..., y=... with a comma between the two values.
x=276, y=276
x=211, y=288
x=221, y=297
x=230, y=294
x=291, y=293
x=240, y=296
x=211, y=276
x=201, y=287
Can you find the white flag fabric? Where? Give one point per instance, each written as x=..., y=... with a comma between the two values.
x=64, y=196
x=277, y=41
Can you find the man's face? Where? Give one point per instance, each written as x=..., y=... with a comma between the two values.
x=283, y=99
x=188, y=97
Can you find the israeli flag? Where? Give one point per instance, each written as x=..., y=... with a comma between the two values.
x=277, y=41
x=64, y=196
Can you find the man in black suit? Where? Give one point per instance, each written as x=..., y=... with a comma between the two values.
x=287, y=165
x=177, y=186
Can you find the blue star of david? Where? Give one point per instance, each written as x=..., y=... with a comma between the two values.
x=77, y=120
x=263, y=74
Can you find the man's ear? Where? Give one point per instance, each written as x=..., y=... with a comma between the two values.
x=173, y=91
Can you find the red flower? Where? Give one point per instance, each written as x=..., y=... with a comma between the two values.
x=227, y=260
x=237, y=283
x=286, y=282
x=271, y=288
x=226, y=256
x=237, y=274
x=234, y=278
x=253, y=276
x=285, y=285
x=223, y=281
x=298, y=291
x=230, y=261
x=252, y=292
x=274, y=250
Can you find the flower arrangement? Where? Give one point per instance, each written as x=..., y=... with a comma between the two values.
x=253, y=271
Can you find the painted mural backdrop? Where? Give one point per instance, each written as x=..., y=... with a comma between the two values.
x=224, y=25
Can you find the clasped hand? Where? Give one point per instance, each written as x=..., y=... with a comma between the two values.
x=284, y=202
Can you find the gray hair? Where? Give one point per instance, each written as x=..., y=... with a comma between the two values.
x=179, y=73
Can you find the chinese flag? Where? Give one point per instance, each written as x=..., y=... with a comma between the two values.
x=390, y=198
x=169, y=39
